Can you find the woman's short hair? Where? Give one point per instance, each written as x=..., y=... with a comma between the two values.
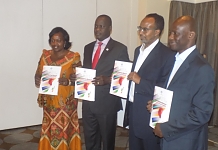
x=65, y=35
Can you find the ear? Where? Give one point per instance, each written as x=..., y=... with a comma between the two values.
x=110, y=28
x=191, y=35
x=157, y=32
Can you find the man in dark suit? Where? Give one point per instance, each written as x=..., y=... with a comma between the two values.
x=152, y=63
x=192, y=83
x=100, y=117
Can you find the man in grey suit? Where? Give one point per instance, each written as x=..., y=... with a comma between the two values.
x=100, y=116
x=192, y=83
x=152, y=63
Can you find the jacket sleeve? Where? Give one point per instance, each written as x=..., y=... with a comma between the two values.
x=199, y=113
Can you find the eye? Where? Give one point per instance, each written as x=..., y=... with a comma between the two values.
x=99, y=26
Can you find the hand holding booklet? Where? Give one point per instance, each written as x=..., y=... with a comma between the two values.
x=119, y=82
x=161, y=105
x=49, y=81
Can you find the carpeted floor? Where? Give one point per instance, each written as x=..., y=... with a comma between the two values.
x=27, y=138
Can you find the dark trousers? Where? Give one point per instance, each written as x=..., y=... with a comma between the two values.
x=136, y=143
x=99, y=128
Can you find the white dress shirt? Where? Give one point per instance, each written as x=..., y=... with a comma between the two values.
x=180, y=58
x=104, y=43
x=141, y=58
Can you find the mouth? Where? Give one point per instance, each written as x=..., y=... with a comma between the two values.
x=55, y=47
x=172, y=43
x=97, y=34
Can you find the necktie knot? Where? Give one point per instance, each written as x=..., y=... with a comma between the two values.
x=100, y=43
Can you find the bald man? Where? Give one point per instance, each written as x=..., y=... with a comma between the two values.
x=192, y=81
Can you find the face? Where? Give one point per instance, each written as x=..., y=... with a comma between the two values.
x=57, y=42
x=102, y=29
x=179, y=37
x=147, y=31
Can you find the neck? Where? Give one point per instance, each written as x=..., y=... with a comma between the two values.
x=148, y=44
x=59, y=53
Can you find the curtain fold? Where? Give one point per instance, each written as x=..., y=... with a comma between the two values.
x=206, y=16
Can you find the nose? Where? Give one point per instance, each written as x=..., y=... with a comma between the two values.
x=140, y=32
x=171, y=36
x=54, y=43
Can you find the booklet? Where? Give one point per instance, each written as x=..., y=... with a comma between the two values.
x=161, y=105
x=49, y=81
x=84, y=89
x=119, y=82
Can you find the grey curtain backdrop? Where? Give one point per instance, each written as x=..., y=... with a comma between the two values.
x=206, y=16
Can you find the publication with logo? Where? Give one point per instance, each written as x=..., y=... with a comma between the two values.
x=84, y=89
x=49, y=81
x=119, y=82
x=161, y=105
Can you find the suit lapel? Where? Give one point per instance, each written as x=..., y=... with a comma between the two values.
x=107, y=49
x=150, y=57
x=137, y=51
x=89, y=56
x=185, y=65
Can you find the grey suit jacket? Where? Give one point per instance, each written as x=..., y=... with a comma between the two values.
x=191, y=107
x=104, y=103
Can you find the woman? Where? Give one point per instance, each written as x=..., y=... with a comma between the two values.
x=60, y=127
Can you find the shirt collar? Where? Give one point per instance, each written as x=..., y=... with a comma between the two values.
x=150, y=47
x=104, y=42
x=185, y=54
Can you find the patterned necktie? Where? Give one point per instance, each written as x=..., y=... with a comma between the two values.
x=96, y=56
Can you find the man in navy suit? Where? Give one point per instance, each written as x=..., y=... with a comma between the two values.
x=100, y=116
x=152, y=63
x=192, y=83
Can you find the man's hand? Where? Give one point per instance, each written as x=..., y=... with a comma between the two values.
x=149, y=105
x=157, y=130
x=133, y=76
x=101, y=80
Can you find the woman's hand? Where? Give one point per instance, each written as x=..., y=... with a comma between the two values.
x=72, y=79
x=79, y=64
x=63, y=81
x=37, y=80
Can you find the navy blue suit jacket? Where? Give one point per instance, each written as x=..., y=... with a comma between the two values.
x=154, y=71
x=192, y=105
x=104, y=103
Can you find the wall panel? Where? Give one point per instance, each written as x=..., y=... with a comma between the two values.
x=21, y=38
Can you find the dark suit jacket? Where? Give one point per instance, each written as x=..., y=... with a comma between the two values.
x=154, y=71
x=104, y=103
x=191, y=107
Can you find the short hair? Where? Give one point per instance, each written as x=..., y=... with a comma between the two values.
x=108, y=19
x=65, y=35
x=159, y=21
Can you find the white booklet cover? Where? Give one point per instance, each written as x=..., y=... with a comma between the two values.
x=119, y=82
x=84, y=89
x=49, y=81
x=161, y=105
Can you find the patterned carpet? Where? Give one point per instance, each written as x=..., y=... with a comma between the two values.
x=27, y=138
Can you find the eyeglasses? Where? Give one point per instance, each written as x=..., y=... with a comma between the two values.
x=139, y=29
